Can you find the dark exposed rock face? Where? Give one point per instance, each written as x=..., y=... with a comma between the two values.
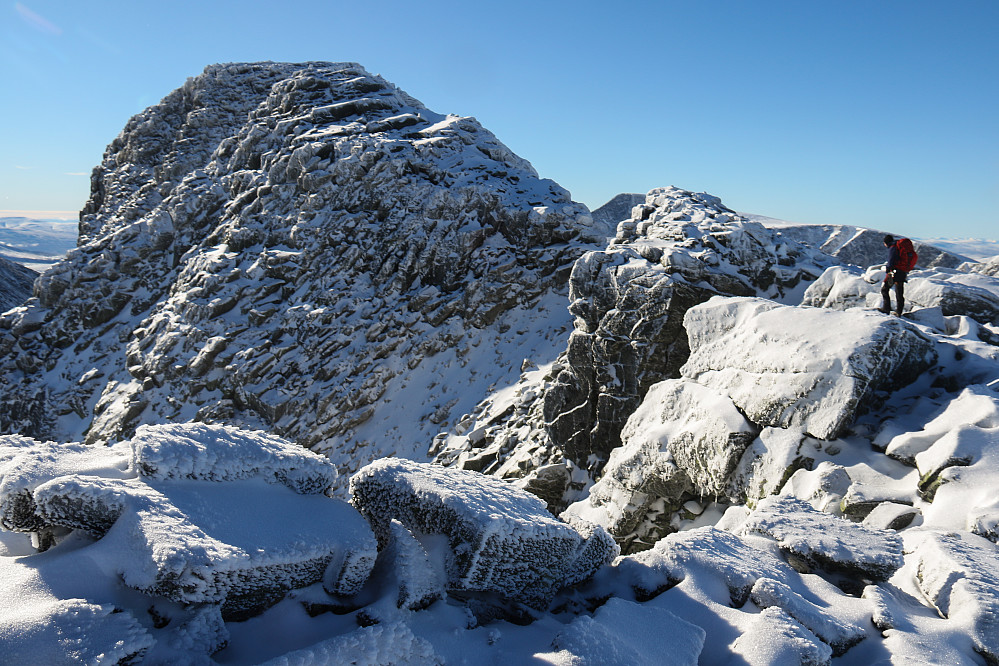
x=281, y=246
x=617, y=209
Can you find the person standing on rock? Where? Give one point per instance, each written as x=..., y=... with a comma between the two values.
x=901, y=260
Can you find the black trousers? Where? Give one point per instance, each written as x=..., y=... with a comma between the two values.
x=897, y=281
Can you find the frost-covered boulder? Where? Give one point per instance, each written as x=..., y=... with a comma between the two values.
x=501, y=539
x=813, y=539
x=793, y=366
x=25, y=464
x=241, y=540
x=391, y=644
x=684, y=439
x=219, y=453
x=959, y=573
x=831, y=630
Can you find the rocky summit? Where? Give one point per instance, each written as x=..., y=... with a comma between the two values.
x=331, y=377
x=299, y=248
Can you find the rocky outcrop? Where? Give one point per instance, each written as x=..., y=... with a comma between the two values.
x=789, y=366
x=676, y=250
x=284, y=247
x=15, y=284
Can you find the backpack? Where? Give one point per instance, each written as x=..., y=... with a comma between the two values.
x=906, y=255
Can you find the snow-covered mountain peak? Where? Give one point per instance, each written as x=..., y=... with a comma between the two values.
x=278, y=246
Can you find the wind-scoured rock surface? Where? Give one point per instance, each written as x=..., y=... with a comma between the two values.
x=300, y=248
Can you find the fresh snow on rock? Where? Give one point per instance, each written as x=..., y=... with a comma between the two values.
x=281, y=257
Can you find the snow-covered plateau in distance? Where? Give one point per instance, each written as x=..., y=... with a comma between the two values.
x=333, y=378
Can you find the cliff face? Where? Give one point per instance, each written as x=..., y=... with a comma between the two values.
x=288, y=247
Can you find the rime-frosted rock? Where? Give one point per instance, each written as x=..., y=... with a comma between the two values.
x=186, y=538
x=820, y=540
x=501, y=538
x=836, y=633
x=959, y=573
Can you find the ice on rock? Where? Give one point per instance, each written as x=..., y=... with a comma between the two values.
x=776, y=639
x=823, y=488
x=769, y=463
x=392, y=644
x=180, y=540
x=502, y=539
x=814, y=539
x=623, y=633
x=791, y=366
x=221, y=453
x=836, y=633
x=702, y=551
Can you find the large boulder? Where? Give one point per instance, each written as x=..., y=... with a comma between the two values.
x=792, y=366
x=500, y=539
x=684, y=440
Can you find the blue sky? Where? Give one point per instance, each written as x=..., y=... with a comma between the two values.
x=877, y=112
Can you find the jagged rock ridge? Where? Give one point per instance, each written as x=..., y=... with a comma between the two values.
x=286, y=246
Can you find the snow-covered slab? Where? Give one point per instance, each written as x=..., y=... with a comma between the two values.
x=836, y=633
x=776, y=639
x=890, y=516
x=623, y=633
x=185, y=539
x=704, y=551
x=221, y=453
x=959, y=573
x=796, y=366
x=824, y=541
x=502, y=539
x=30, y=463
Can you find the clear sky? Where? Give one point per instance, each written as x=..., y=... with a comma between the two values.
x=880, y=113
